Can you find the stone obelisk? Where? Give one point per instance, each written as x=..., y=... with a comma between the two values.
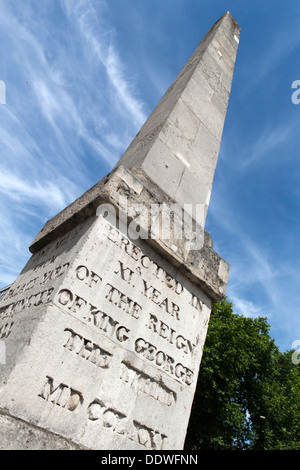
x=104, y=328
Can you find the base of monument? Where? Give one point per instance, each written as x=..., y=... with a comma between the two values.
x=16, y=434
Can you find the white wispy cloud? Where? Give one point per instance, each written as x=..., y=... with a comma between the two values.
x=251, y=264
x=72, y=108
x=262, y=279
x=245, y=307
x=267, y=61
x=47, y=194
x=99, y=39
x=269, y=140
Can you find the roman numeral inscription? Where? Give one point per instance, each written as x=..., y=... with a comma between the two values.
x=117, y=422
x=63, y=396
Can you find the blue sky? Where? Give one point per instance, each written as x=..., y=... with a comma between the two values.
x=82, y=76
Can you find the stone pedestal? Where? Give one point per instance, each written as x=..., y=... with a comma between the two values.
x=104, y=335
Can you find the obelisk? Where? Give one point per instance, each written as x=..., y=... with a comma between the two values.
x=105, y=326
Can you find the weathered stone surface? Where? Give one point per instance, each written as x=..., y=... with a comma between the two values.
x=104, y=342
x=20, y=435
x=171, y=146
x=103, y=331
x=133, y=190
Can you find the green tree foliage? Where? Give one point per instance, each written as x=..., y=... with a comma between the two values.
x=248, y=392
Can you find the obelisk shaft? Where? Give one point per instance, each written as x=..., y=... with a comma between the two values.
x=177, y=148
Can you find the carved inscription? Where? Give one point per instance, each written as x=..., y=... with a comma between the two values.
x=118, y=422
x=159, y=296
x=170, y=335
x=164, y=303
x=144, y=383
x=122, y=301
x=89, y=277
x=163, y=360
x=138, y=273
x=21, y=288
x=34, y=300
x=112, y=328
x=143, y=262
x=43, y=296
x=108, y=417
x=196, y=303
x=59, y=244
x=145, y=265
x=125, y=272
x=147, y=437
x=44, y=264
x=55, y=273
x=5, y=329
x=61, y=395
x=87, y=349
x=91, y=315
x=49, y=275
